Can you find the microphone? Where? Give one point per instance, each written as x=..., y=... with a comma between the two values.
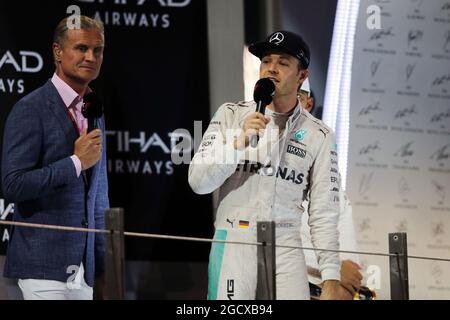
x=262, y=94
x=92, y=109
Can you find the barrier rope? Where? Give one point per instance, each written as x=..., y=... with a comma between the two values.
x=193, y=239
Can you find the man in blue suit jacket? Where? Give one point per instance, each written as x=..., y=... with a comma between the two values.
x=46, y=155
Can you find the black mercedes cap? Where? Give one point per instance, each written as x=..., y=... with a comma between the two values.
x=285, y=41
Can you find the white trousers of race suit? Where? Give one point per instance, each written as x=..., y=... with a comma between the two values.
x=229, y=280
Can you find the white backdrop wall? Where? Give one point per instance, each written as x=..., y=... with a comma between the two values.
x=398, y=174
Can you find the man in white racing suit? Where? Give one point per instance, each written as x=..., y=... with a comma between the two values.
x=296, y=155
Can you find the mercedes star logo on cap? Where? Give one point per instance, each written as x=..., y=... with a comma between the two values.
x=277, y=38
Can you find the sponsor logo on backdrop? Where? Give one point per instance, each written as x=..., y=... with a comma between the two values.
x=368, y=156
x=414, y=40
x=363, y=231
x=367, y=114
x=409, y=71
x=441, y=154
x=146, y=152
x=441, y=80
x=416, y=6
x=438, y=232
x=437, y=229
x=442, y=52
x=436, y=273
x=444, y=13
x=365, y=184
x=406, y=112
x=440, y=117
x=363, y=225
x=370, y=109
x=404, y=154
x=437, y=276
x=440, y=160
x=439, y=191
x=365, y=187
x=439, y=86
x=374, y=71
x=370, y=149
x=381, y=34
x=402, y=226
x=446, y=45
x=404, y=189
x=374, y=67
x=137, y=13
x=404, y=117
x=379, y=39
x=405, y=195
x=405, y=151
x=415, y=36
x=17, y=63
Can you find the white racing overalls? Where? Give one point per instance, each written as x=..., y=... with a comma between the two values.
x=269, y=183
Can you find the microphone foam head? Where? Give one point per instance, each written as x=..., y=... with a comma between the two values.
x=93, y=106
x=264, y=91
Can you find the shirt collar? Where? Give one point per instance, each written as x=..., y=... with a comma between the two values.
x=69, y=96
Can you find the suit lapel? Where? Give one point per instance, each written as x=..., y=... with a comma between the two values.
x=59, y=110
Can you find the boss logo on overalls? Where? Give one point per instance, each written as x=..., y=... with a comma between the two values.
x=296, y=151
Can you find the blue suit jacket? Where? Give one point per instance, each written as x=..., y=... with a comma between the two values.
x=40, y=178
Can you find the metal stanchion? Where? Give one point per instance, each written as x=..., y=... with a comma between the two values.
x=115, y=254
x=398, y=266
x=266, y=287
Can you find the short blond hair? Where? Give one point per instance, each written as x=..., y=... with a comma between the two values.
x=86, y=23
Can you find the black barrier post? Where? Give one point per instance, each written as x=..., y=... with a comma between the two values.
x=115, y=255
x=398, y=266
x=266, y=287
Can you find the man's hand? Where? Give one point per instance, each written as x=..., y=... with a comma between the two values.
x=88, y=148
x=332, y=290
x=253, y=125
x=350, y=276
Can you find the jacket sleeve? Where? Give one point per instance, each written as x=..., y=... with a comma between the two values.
x=23, y=176
x=216, y=159
x=312, y=267
x=324, y=208
x=101, y=205
x=347, y=237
